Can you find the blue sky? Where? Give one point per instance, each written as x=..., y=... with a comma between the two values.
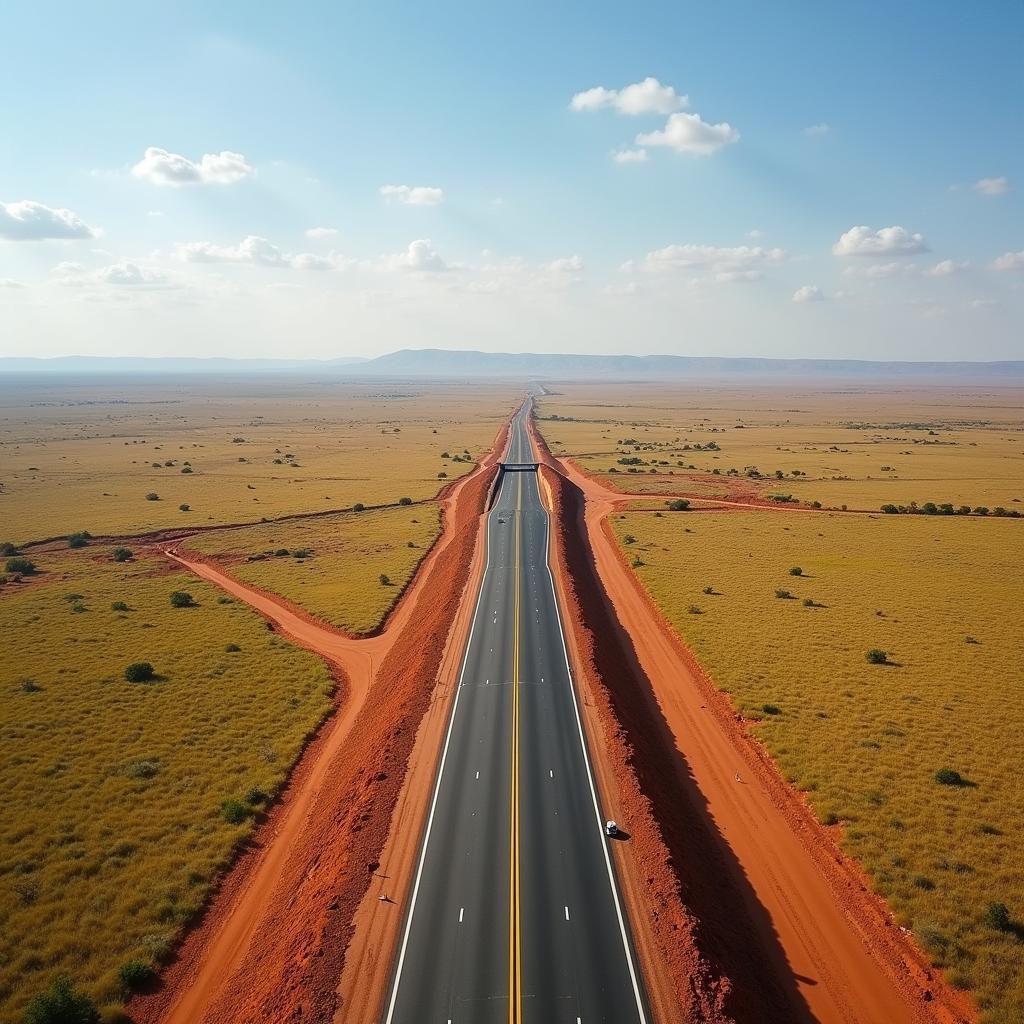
x=817, y=179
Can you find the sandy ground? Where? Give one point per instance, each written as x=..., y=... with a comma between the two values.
x=273, y=943
x=784, y=925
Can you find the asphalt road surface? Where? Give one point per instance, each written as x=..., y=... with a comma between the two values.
x=514, y=916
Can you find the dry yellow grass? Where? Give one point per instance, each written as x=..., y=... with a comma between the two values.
x=857, y=445
x=84, y=456
x=112, y=826
x=945, y=599
x=340, y=580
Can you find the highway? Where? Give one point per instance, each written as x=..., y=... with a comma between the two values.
x=514, y=916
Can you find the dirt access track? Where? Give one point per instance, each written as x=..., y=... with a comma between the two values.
x=755, y=914
x=272, y=944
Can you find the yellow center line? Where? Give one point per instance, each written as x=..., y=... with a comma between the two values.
x=515, y=937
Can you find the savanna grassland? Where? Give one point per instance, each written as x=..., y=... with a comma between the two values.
x=856, y=445
x=124, y=800
x=877, y=656
x=347, y=569
x=85, y=455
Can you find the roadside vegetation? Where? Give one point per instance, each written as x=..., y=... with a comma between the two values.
x=140, y=743
x=879, y=661
x=332, y=566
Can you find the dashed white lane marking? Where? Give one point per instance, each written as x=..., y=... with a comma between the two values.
x=567, y=913
x=462, y=910
x=478, y=775
x=551, y=772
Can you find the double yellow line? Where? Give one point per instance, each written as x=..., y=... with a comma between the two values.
x=515, y=962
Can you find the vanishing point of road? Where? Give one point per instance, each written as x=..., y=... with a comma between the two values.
x=515, y=915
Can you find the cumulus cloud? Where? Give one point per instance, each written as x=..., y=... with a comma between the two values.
x=808, y=293
x=257, y=251
x=565, y=265
x=28, y=221
x=1009, y=261
x=646, y=97
x=9, y=282
x=992, y=186
x=413, y=195
x=863, y=241
x=813, y=130
x=738, y=276
x=877, y=270
x=630, y=156
x=125, y=274
x=160, y=167
x=419, y=255
x=946, y=267
x=318, y=233
x=688, y=133
x=719, y=260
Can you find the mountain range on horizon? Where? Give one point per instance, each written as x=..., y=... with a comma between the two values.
x=434, y=362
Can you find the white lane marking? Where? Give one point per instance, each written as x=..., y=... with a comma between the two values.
x=478, y=775
x=462, y=910
x=551, y=772
x=567, y=913
x=590, y=775
x=433, y=801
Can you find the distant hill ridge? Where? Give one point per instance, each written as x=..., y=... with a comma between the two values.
x=436, y=362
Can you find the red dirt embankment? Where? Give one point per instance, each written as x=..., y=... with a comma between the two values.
x=273, y=943
x=781, y=924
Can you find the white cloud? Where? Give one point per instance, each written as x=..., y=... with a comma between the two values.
x=716, y=259
x=992, y=186
x=862, y=241
x=946, y=267
x=630, y=156
x=9, y=282
x=124, y=274
x=754, y=234
x=419, y=255
x=413, y=195
x=565, y=265
x=159, y=167
x=257, y=251
x=808, y=293
x=318, y=233
x=687, y=133
x=1009, y=261
x=28, y=221
x=251, y=249
x=646, y=97
x=813, y=130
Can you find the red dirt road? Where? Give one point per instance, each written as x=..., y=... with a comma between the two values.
x=273, y=943
x=780, y=912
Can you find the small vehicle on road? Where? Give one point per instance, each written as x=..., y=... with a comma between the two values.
x=611, y=829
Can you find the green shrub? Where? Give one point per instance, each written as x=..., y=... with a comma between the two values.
x=79, y=540
x=152, y=496
x=891, y=510
x=232, y=648
x=135, y=975
x=405, y=501
x=182, y=599
x=234, y=811
x=385, y=580
x=122, y=554
x=358, y=507
x=61, y=1004
x=184, y=508
x=7, y=548
x=771, y=709
x=949, y=777
x=139, y=672
x=796, y=571
x=808, y=602
x=876, y=656
x=256, y=796
x=783, y=595
x=678, y=505
x=629, y=539
x=301, y=553
x=998, y=916
x=24, y=566
x=282, y=553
